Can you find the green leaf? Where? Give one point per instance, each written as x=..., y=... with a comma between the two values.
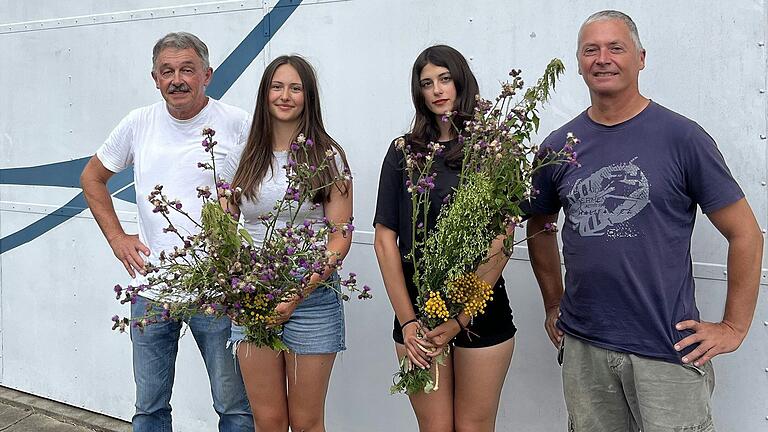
x=246, y=236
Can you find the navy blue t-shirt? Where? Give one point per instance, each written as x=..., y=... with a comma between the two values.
x=630, y=209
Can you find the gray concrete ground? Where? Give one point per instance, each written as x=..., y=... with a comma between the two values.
x=23, y=412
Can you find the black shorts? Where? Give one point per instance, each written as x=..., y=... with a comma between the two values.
x=491, y=328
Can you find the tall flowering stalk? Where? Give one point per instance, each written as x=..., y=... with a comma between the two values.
x=222, y=271
x=495, y=181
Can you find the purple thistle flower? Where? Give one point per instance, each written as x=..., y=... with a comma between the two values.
x=550, y=227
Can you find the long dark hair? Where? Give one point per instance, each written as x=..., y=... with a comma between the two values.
x=425, y=127
x=257, y=155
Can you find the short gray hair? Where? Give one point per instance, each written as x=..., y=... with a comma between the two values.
x=180, y=41
x=614, y=15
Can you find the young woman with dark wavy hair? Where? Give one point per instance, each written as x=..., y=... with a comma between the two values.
x=471, y=381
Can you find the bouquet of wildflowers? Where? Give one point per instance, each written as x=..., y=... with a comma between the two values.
x=495, y=181
x=222, y=271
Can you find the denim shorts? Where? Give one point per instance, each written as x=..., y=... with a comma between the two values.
x=316, y=326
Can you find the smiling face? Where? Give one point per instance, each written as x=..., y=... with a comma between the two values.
x=609, y=61
x=286, y=95
x=182, y=77
x=438, y=89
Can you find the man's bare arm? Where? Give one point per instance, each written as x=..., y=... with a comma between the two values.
x=738, y=225
x=125, y=247
x=545, y=261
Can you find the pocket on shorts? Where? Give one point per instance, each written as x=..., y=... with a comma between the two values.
x=707, y=426
x=707, y=371
x=695, y=369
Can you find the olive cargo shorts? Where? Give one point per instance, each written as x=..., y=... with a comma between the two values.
x=608, y=391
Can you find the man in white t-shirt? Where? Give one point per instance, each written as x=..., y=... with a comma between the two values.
x=163, y=143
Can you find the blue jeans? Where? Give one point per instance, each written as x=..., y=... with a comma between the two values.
x=154, y=360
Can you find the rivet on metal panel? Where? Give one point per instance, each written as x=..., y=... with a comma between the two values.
x=762, y=90
x=470, y=19
x=761, y=44
x=725, y=272
x=471, y=58
x=763, y=230
x=766, y=369
x=173, y=11
x=70, y=131
x=763, y=136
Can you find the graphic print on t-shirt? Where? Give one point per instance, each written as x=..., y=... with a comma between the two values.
x=604, y=202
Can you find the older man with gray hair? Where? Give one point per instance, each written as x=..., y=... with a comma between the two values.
x=162, y=142
x=635, y=354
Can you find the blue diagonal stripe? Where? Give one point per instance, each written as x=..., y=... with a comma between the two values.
x=236, y=63
x=73, y=208
x=65, y=174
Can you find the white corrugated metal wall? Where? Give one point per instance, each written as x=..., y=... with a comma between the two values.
x=72, y=69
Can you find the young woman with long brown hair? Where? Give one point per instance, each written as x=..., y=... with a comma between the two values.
x=289, y=389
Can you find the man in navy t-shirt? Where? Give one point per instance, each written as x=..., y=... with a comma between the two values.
x=635, y=354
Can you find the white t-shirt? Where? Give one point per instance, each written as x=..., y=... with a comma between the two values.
x=165, y=150
x=271, y=190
